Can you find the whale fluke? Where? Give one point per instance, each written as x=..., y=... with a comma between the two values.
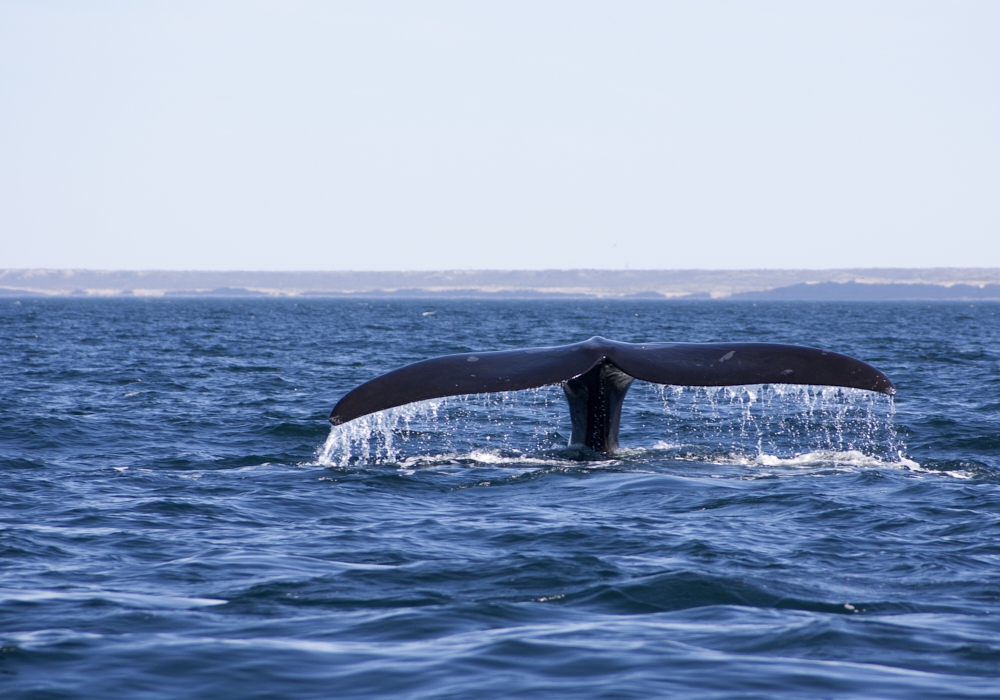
x=596, y=375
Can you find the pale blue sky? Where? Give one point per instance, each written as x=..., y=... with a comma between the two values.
x=430, y=135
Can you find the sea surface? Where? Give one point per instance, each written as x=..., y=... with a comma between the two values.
x=179, y=520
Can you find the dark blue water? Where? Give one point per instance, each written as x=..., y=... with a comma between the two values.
x=177, y=519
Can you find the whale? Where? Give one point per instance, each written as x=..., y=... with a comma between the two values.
x=596, y=375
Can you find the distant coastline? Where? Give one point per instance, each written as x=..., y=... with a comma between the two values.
x=861, y=284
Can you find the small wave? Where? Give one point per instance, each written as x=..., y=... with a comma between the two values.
x=139, y=600
x=39, y=639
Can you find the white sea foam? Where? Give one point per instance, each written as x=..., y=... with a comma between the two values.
x=820, y=458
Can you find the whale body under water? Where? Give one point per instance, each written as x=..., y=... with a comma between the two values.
x=596, y=375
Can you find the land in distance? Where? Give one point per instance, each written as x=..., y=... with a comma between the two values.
x=861, y=284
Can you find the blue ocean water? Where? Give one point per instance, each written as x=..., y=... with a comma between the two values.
x=178, y=519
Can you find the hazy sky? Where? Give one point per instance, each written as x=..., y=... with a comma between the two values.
x=429, y=135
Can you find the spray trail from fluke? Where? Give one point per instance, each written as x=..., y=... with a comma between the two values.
x=596, y=375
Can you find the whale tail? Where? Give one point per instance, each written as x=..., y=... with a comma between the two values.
x=596, y=375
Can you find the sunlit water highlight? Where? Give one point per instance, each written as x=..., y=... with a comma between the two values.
x=179, y=520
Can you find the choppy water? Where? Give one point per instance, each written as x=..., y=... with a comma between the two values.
x=178, y=520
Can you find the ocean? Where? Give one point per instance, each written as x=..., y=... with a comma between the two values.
x=179, y=520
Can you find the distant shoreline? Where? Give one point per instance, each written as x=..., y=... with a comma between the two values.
x=861, y=284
